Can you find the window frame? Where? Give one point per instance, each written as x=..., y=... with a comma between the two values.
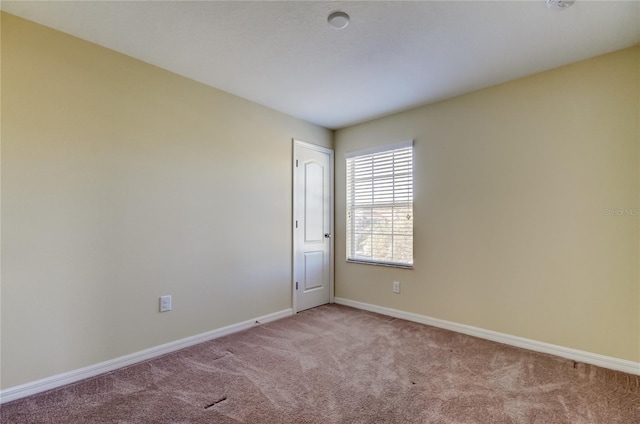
x=351, y=257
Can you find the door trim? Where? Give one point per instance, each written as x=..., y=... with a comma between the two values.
x=294, y=271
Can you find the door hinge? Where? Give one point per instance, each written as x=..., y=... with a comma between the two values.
x=296, y=285
x=296, y=163
x=296, y=223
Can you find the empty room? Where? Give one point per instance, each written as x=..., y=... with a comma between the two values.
x=320, y=212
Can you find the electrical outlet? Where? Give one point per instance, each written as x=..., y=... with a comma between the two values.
x=165, y=303
x=396, y=286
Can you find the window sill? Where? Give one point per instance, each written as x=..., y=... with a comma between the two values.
x=389, y=265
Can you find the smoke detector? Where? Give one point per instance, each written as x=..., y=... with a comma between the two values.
x=338, y=20
x=559, y=4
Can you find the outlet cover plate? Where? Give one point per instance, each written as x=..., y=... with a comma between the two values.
x=396, y=286
x=165, y=303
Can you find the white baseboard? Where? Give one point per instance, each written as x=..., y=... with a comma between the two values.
x=38, y=386
x=564, y=352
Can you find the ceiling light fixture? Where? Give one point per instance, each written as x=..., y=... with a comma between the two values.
x=559, y=4
x=338, y=20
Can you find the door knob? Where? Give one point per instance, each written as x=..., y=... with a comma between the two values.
x=327, y=235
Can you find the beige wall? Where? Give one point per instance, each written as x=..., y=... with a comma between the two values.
x=511, y=190
x=122, y=182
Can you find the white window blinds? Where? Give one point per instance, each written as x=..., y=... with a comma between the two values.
x=380, y=205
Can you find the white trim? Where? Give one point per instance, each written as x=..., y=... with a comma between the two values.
x=312, y=146
x=379, y=149
x=330, y=152
x=38, y=386
x=610, y=362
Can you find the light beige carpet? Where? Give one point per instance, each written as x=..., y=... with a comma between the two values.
x=334, y=364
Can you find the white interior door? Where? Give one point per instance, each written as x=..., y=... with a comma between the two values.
x=312, y=226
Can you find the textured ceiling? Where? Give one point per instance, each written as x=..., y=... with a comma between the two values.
x=393, y=55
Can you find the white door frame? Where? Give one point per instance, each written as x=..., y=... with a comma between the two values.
x=294, y=274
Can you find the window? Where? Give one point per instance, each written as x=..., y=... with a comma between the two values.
x=380, y=205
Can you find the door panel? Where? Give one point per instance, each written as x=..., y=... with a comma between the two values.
x=314, y=181
x=313, y=270
x=313, y=226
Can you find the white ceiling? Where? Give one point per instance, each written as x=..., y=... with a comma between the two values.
x=393, y=55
